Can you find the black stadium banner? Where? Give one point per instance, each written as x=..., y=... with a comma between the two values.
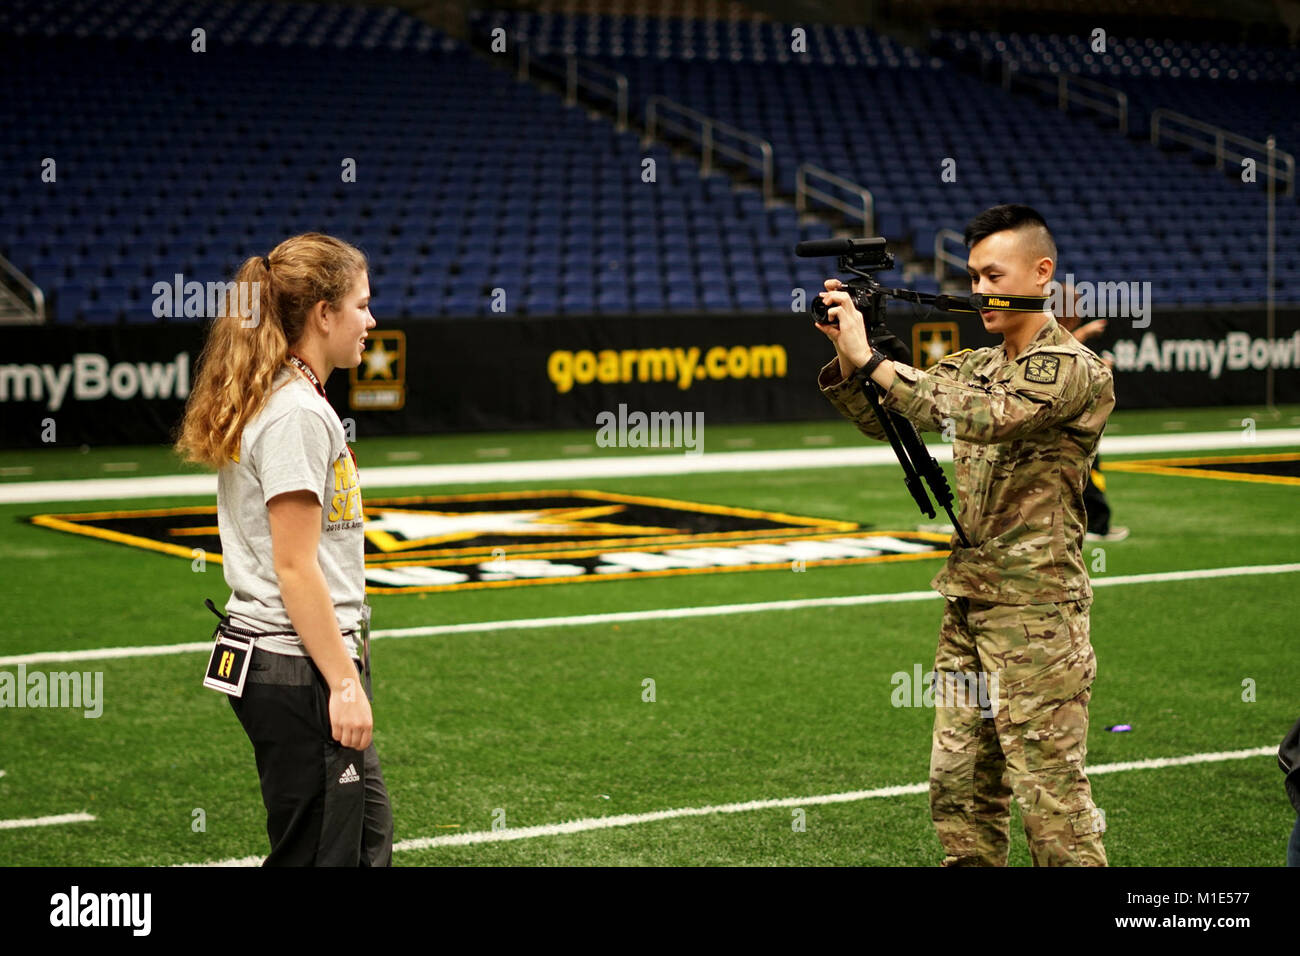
x=127, y=384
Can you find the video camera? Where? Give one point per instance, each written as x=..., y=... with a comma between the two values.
x=862, y=257
x=859, y=256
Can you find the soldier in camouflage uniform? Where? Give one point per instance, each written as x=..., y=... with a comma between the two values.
x=1026, y=418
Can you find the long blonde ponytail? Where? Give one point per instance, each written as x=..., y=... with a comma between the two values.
x=243, y=352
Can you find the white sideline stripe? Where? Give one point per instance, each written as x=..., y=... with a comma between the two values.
x=631, y=819
x=657, y=614
x=104, y=653
x=46, y=821
x=610, y=466
x=237, y=861
x=1156, y=763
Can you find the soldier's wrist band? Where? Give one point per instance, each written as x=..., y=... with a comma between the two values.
x=873, y=363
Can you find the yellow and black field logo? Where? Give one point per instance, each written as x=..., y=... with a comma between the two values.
x=504, y=539
x=1271, y=468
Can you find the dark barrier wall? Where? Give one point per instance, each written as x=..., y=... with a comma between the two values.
x=124, y=385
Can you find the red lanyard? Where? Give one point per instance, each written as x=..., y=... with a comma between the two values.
x=306, y=370
x=303, y=367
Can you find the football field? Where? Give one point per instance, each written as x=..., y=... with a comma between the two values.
x=724, y=692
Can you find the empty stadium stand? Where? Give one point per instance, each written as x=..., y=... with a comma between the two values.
x=469, y=180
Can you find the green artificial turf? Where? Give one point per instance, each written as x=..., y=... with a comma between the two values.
x=548, y=724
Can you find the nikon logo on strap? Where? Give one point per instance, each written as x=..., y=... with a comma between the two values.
x=1008, y=303
x=980, y=302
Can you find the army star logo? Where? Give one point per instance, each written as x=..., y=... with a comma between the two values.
x=379, y=361
x=1042, y=368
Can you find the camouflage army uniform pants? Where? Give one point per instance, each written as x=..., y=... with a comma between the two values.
x=1032, y=747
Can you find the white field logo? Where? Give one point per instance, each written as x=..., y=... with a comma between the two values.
x=91, y=378
x=197, y=300
x=56, y=689
x=950, y=689
x=74, y=908
x=653, y=430
x=1115, y=300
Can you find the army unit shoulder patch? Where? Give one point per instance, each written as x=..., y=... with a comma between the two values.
x=1043, y=369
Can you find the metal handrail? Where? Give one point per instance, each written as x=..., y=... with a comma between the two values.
x=1065, y=95
x=616, y=94
x=708, y=127
x=802, y=191
x=942, y=256
x=1220, y=149
x=11, y=271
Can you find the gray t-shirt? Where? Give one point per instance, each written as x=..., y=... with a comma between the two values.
x=295, y=443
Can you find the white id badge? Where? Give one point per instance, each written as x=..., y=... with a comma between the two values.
x=228, y=665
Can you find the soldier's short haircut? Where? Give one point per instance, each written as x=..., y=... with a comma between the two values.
x=1013, y=216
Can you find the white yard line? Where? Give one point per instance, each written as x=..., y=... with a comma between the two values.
x=588, y=824
x=655, y=614
x=611, y=466
x=46, y=821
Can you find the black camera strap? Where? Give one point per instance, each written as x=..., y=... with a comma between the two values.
x=981, y=302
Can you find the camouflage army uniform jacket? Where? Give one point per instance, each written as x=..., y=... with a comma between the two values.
x=1026, y=433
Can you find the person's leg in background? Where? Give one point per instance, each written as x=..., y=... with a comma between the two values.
x=1098, y=508
x=1094, y=501
x=1293, y=848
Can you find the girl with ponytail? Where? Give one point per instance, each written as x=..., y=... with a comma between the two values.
x=290, y=517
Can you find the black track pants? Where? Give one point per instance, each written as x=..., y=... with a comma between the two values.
x=326, y=804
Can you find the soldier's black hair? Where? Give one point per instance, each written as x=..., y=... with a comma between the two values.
x=1010, y=216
